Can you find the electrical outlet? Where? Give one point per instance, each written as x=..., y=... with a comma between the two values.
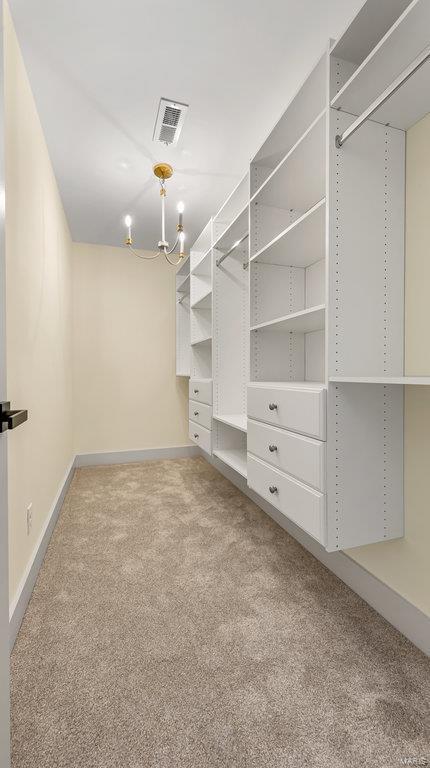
x=29, y=518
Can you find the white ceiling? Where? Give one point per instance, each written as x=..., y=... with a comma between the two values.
x=99, y=67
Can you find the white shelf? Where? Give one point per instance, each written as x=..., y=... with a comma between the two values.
x=238, y=421
x=305, y=321
x=318, y=385
x=233, y=231
x=407, y=380
x=299, y=245
x=297, y=182
x=184, y=286
x=203, y=340
x=234, y=458
x=408, y=36
x=204, y=302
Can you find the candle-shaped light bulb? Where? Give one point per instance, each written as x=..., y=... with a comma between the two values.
x=127, y=222
x=181, y=207
x=181, y=243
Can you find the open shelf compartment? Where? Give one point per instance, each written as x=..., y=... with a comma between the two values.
x=393, y=53
x=293, y=189
x=231, y=338
x=236, y=420
x=286, y=356
x=300, y=244
x=309, y=101
x=229, y=445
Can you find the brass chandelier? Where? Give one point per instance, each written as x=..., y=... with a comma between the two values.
x=162, y=171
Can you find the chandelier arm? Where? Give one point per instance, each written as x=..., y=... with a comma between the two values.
x=174, y=263
x=140, y=256
x=173, y=247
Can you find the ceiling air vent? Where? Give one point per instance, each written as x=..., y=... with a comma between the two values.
x=169, y=122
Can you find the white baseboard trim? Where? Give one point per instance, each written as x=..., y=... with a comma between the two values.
x=22, y=595
x=398, y=611
x=130, y=457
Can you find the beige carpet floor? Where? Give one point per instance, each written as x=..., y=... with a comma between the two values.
x=175, y=625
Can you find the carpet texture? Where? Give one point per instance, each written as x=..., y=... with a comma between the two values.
x=175, y=625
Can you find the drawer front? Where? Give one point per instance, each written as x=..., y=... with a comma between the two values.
x=302, y=457
x=201, y=436
x=201, y=390
x=300, y=410
x=200, y=413
x=301, y=504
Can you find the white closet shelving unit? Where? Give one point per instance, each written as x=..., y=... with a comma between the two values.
x=183, y=319
x=307, y=310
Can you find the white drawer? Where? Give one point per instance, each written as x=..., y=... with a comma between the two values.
x=201, y=390
x=201, y=436
x=291, y=407
x=301, y=504
x=302, y=457
x=200, y=413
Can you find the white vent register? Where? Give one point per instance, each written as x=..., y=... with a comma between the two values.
x=169, y=122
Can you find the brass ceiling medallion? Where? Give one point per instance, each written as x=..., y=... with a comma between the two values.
x=162, y=171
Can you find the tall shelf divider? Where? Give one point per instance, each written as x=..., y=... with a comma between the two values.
x=183, y=319
x=230, y=343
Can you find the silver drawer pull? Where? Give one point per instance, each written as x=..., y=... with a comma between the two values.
x=273, y=489
x=196, y=413
x=196, y=436
x=273, y=407
x=196, y=391
x=273, y=448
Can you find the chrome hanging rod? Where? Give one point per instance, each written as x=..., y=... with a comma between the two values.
x=395, y=85
x=233, y=248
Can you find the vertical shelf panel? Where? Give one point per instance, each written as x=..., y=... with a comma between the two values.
x=231, y=327
x=183, y=351
x=366, y=230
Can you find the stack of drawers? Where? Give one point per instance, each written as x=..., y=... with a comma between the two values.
x=287, y=451
x=200, y=413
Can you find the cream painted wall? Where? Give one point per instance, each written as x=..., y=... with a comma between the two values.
x=39, y=348
x=126, y=394
x=404, y=564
